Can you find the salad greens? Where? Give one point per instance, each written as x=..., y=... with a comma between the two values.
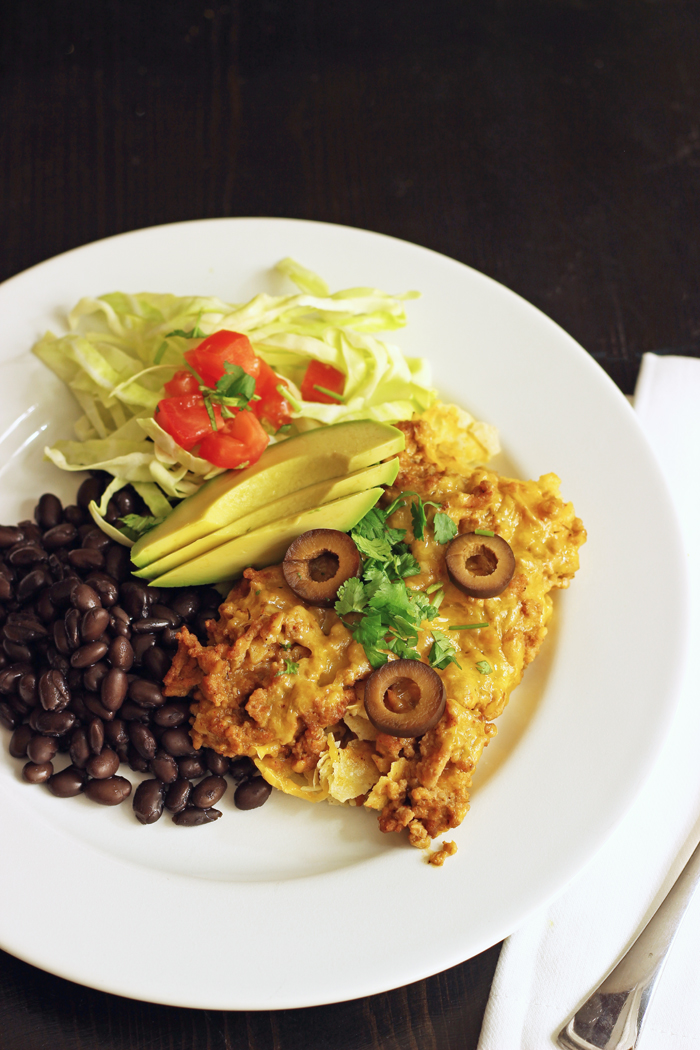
x=122, y=349
x=382, y=612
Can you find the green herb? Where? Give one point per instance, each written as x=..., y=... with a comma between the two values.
x=484, y=667
x=210, y=412
x=444, y=527
x=443, y=651
x=285, y=428
x=160, y=352
x=194, y=333
x=289, y=668
x=434, y=587
x=483, y=532
x=136, y=525
x=328, y=393
x=467, y=626
x=418, y=516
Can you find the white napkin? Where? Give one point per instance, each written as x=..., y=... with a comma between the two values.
x=550, y=966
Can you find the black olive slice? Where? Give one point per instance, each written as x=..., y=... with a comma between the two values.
x=483, y=566
x=318, y=562
x=404, y=698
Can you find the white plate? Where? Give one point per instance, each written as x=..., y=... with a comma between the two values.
x=303, y=904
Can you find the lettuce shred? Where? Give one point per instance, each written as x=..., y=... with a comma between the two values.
x=121, y=349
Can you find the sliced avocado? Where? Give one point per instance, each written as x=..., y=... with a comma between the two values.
x=328, y=452
x=269, y=544
x=296, y=502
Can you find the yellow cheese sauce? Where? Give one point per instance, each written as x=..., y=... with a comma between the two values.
x=307, y=731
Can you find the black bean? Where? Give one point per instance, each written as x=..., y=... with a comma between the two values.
x=109, y=792
x=117, y=562
x=120, y=614
x=93, y=704
x=114, y=688
x=71, y=624
x=27, y=688
x=30, y=531
x=69, y=782
x=96, y=735
x=217, y=764
x=136, y=761
x=5, y=589
x=252, y=793
x=125, y=500
x=74, y=514
x=103, y=765
x=242, y=768
x=208, y=792
x=121, y=654
x=140, y=644
x=149, y=625
x=132, y=712
x=91, y=489
x=41, y=749
x=54, y=693
x=85, y=559
x=178, y=742
x=186, y=605
x=93, y=624
x=133, y=598
x=19, y=740
x=49, y=511
x=105, y=586
x=163, y=766
x=27, y=554
x=157, y=662
x=77, y=705
x=62, y=591
x=9, y=535
x=148, y=801
x=84, y=597
x=60, y=536
x=191, y=766
x=116, y=733
x=146, y=693
x=96, y=540
x=93, y=676
x=162, y=612
x=31, y=583
x=191, y=817
x=79, y=748
x=172, y=714
x=178, y=796
x=45, y=607
x=168, y=638
x=89, y=654
x=143, y=740
x=37, y=774
x=51, y=723
x=19, y=707
x=9, y=677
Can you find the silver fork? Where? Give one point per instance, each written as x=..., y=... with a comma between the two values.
x=612, y=1018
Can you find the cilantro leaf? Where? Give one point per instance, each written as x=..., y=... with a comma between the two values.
x=194, y=333
x=289, y=668
x=351, y=597
x=136, y=525
x=418, y=519
x=444, y=527
x=442, y=652
x=484, y=667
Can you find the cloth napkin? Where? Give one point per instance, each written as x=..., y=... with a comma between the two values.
x=550, y=966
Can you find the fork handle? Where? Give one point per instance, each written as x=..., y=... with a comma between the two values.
x=611, y=1019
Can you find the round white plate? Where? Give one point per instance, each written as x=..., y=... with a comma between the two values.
x=311, y=903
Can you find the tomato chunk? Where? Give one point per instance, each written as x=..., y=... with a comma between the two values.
x=208, y=358
x=319, y=375
x=186, y=419
x=183, y=382
x=272, y=407
x=240, y=440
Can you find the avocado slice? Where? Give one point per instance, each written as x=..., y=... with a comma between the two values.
x=317, y=455
x=296, y=502
x=269, y=544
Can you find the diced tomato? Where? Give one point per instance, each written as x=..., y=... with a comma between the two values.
x=208, y=358
x=240, y=440
x=272, y=407
x=183, y=382
x=318, y=374
x=186, y=418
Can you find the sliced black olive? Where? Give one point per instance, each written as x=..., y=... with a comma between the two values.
x=404, y=698
x=318, y=562
x=483, y=566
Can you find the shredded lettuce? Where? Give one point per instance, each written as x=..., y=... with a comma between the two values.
x=121, y=349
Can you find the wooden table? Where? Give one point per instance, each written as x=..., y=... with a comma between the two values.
x=553, y=144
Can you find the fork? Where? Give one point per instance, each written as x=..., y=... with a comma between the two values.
x=612, y=1017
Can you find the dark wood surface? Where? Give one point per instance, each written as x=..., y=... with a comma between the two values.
x=552, y=144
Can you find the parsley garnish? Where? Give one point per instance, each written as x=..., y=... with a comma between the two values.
x=443, y=651
x=289, y=668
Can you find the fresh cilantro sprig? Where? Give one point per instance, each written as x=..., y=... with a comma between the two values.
x=234, y=389
x=290, y=667
x=135, y=525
